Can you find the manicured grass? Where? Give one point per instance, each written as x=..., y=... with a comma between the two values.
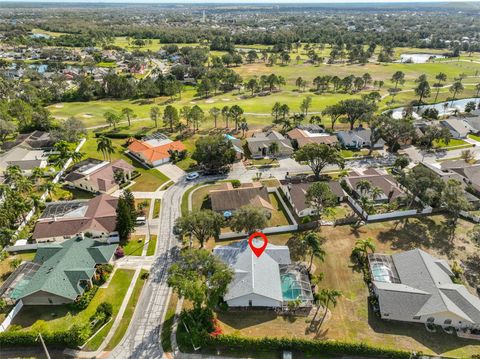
x=453, y=144
x=128, y=314
x=65, y=193
x=474, y=137
x=134, y=246
x=350, y=153
x=279, y=216
x=351, y=319
x=152, y=245
x=156, y=208
x=167, y=324
x=61, y=317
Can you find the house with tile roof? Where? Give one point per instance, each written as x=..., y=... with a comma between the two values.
x=98, y=176
x=416, y=287
x=226, y=198
x=61, y=272
x=96, y=218
x=154, y=150
x=270, y=280
x=304, y=135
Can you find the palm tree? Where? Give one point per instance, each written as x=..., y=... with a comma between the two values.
x=363, y=186
x=441, y=77
x=105, y=146
x=273, y=148
x=456, y=88
x=226, y=115
x=215, y=112
x=50, y=188
x=329, y=296
x=128, y=113
x=243, y=126
x=362, y=248
x=155, y=114
x=12, y=173
x=314, y=247
x=23, y=185
x=376, y=193
x=37, y=173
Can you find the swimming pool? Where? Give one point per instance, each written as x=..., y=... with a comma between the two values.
x=290, y=288
x=381, y=273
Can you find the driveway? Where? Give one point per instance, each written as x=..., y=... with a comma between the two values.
x=171, y=171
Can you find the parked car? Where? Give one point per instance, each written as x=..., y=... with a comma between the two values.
x=193, y=175
x=140, y=221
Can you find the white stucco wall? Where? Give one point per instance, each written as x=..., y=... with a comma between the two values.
x=256, y=301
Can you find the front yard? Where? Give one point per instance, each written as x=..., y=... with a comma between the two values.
x=453, y=144
x=352, y=320
x=134, y=246
x=61, y=317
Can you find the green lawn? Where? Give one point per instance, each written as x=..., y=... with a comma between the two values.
x=167, y=324
x=61, y=317
x=152, y=245
x=134, y=246
x=156, y=208
x=474, y=137
x=127, y=315
x=279, y=216
x=453, y=144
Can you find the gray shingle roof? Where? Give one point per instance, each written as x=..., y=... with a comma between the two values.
x=426, y=289
x=254, y=275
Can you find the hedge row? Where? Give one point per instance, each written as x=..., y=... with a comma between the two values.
x=70, y=338
x=118, y=135
x=304, y=345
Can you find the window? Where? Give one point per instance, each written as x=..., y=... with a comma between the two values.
x=417, y=317
x=250, y=303
x=386, y=314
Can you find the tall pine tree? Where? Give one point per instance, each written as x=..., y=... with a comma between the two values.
x=126, y=215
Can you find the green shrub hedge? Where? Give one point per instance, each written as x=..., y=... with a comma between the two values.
x=70, y=338
x=303, y=345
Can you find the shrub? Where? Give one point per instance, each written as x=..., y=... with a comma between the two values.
x=236, y=183
x=234, y=342
x=306, y=219
x=145, y=275
x=84, y=300
x=105, y=308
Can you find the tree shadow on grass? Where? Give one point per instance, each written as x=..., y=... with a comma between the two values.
x=418, y=232
x=439, y=342
x=247, y=318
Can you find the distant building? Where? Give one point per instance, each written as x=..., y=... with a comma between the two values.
x=98, y=176
x=358, y=138
x=457, y=127
x=259, y=144
x=95, y=218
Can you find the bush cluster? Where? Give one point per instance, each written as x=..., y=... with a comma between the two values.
x=85, y=299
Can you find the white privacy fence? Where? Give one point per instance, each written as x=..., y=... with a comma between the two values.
x=10, y=316
x=384, y=216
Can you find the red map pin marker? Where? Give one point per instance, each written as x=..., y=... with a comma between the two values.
x=258, y=250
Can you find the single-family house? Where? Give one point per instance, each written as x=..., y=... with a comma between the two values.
x=237, y=146
x=154, y=150
x=390, y=189
x=358, y=138
x=95, y=218
x=296, y=195
x=303, y=135
x=226, y=198
x=26, y=159
x=98, y=176
x=34, y=140
x=416, y=287
x=270, y=280
x=260, y=144
x=59, y=273
x=474, y=123
x=458, y=127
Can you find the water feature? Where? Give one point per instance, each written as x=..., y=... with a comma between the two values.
x=443, y=108
x=419, y=58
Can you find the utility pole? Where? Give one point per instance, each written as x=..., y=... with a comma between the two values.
x=44, y=346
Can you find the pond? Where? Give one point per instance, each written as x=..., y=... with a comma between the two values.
x=443, y=108
x=419, y=58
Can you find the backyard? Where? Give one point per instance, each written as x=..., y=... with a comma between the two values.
x=351, y=319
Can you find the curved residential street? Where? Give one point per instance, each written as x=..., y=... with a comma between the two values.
x=142, y=339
